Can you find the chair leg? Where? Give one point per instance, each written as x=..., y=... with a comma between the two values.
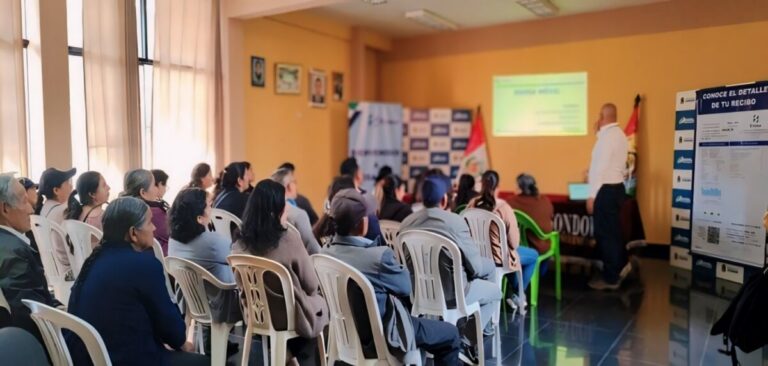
x=479, y=337
x=333, y=354
x=247, y=343
x=497, y=345
x=535, y=285
x=219, y=337
x=558, y=277
x=321, y=349
x=278, y=349
x=200, y=339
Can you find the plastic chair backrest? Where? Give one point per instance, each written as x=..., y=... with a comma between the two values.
x=158, y=251
x=334, y=276
x=44, y=231
x=424, y=249
x=526, y=223
x=249, y=274
x=222, y=222
x=81, y=236
x=479, y=222
x=191, y=277
x=51, y=321
x=389, y=231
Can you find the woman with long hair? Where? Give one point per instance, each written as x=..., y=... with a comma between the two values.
x=391, y=206
x=465, y=190
x=201, y=177
x=537, y=206
x=121, y=292
x=52, y=197
x=489, y=200
x=229, y=193
x=86, y=201
x=264, y=234
x=140, y=183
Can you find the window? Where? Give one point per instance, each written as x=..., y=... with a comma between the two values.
x=145, y=29
x=78, y=132
x=33, y=88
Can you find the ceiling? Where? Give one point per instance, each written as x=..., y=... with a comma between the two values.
x=389, y=18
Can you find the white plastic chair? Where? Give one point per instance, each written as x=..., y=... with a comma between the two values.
x=479, y=222
x=257, y=315
x=44, y=231
x=389, y=231
x=423, y=249
x=222, y=222
x=191, y=277
x=343, y=339
x=82, y=236
x=51, y=321
x=157, y=249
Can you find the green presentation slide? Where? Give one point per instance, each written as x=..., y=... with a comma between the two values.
x=540, y=105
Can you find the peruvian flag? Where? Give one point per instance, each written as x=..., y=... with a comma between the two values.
x=630, y=180
x=475, y=160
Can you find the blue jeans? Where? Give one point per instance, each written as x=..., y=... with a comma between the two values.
x=528, y=257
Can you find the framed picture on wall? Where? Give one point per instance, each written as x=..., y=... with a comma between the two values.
x=287, y=79
x=258, y=71
x=317, y=88
x=338, y=85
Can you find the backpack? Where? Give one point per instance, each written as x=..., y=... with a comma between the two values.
x=399, y=332
x=745, y=321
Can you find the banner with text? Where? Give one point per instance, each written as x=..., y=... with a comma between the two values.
x=731, y=160
x=375, y=137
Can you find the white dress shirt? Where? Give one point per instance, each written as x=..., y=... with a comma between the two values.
x=609, y=158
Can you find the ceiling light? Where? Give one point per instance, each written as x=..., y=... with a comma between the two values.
x=542, y=8
x=375, y=2
x=430, y=19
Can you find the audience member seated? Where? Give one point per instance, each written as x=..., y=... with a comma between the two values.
x=22, y=272
x=140, y=183
x=350, y=168
x=465, y=191
x=230, y=187
x=264, y=234
x=86, y=201
x=384, y=172
x=55, y=187
x=301, y=201
x=537, y=206
x=388, y=277
x=32, y=198
x=161, y=182
x=121, y=292
x=526, y=257
x=188, y=221
x=201, y=177
x=437, y=218
x=249, y=177
x=294, y=215
x=391, y=206
x=324, y=227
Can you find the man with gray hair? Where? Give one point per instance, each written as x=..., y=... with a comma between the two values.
x=21, y=272
x=296, y=216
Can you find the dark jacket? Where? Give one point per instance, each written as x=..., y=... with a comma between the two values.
x=160, y=220
x=304, y=204
x=377, y=262
x=124, y=297
x=394, y=210
x=21, y=277
x=232, y=201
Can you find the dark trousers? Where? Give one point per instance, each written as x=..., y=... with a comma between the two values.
x=305, y=350
x=439, y=338
x=177, y=358
x=607, y=225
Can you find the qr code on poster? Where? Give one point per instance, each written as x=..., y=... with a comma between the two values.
x=713, y=235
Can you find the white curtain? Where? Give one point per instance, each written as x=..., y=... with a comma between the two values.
x=186, y=85
x=13, y=137
x=111, y=88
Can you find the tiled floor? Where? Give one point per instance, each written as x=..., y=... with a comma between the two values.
x=656, y=319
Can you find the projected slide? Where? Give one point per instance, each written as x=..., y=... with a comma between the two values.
x=540, y=105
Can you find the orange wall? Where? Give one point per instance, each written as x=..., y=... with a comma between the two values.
x=656, y=65
x=281, y=128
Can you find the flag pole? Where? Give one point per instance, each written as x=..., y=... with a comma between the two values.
x=485, y=138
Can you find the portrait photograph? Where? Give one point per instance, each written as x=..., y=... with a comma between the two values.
x=258, y=71
x=287, y=79
x=338, y=86
x=317, y=88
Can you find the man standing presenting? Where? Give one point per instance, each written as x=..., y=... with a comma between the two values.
x=606, y=195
